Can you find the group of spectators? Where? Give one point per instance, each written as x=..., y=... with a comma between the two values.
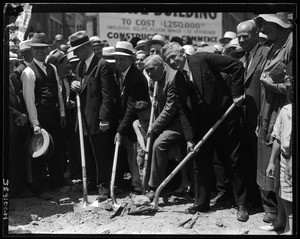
x=247, y=159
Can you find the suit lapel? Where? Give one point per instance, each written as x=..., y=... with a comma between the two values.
x=196, y=73
x=89, y=72
x=256, y=58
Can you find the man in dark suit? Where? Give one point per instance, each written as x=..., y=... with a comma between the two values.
x=210, y=98
x=167, y=129
x=255, y=56
x=133, y=87
x=94, y=82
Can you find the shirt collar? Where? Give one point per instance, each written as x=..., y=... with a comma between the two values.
x=186, y=66
x=39, y=63
x=89, y=60
x=125, y=72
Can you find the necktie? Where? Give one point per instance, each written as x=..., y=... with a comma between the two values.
x=151, y=87
x=121, y=79
x=186, y=75
x=83, y=70
x=246, y=63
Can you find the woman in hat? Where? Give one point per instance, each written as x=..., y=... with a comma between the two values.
x=273, y=98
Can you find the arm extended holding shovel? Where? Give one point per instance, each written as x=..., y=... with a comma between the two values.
x=189, y=156
x=149, y=139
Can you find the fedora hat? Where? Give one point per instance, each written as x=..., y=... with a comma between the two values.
x=78, y=39
x=156, y=39
x=41, y=145
x=227, y=36
x=106, y=53
x=123, y=48
x=38, y=40
x=55, y=57
x=23, y=46
x=278, y=18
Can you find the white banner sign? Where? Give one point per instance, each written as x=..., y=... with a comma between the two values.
x=200, y=26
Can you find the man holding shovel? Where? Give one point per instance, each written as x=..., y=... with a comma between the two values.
x=210, y=98
x=94, y=83
x=167, y=129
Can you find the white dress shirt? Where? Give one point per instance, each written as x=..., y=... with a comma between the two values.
x=28, y=81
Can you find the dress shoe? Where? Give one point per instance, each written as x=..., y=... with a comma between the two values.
x=197, y=208
x=242, y=213
x=44, y=196
x=150, y=194
x=269, y=217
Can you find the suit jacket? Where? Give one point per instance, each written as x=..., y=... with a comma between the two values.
x=252, y=85
x=214, y=96
x=135, y=88
x=96, y=95
x=167, y=107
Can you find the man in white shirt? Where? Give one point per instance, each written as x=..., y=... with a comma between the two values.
x=45, y=108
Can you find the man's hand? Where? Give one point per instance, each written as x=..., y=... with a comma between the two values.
x=289, y=172
x=21, y=120
x=103, y=125
x=266, y=79
x=76, y=86
x=118, y=137
x=63, y=122
x=190, y=146
x=150, y=132
x=37, y=129
x=70, y=104
x=238, y=100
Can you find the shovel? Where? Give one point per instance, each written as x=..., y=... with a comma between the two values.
x=84, y=204
x=149, y=140
x=113, y=176
x=189, y=156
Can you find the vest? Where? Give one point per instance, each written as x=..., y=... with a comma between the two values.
x=46, y=89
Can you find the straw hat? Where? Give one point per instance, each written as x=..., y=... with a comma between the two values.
x=278, y=18
x=23, y=46
x=140, y=45
x=38, y=40
x=41, y=145
x=106, y=53
x=72, y=57
x=95, y=40
x=13, y=56
x=227, y=36
x=155, y=39
x=123, y=48
x=78, y=39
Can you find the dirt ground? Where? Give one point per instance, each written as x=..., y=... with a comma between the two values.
x=36, y=216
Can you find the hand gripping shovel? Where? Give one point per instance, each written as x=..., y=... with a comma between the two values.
x=84, y=204
x=149, y=140
x=113, y=176
x=189, y=156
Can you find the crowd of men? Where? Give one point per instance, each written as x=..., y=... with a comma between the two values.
x=250, y=68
